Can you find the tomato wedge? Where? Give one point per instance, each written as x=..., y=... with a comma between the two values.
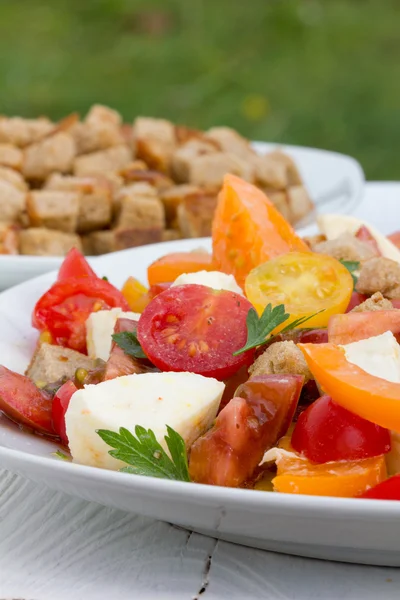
x=305, y=283
x=355, y=300
x=168, y=268
x=195, y=328
x=75, y=265
x=370, y=397
x=120, y=363
x=248, y=230
x=65, y=307
x=364, y=235
x=386, y=490
x=135, y=294
x=24, y=402
x=326, y=431
x=352, y=327
x=59, y=408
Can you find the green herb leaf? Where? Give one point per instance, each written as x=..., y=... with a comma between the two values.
x=145, y=455
x=61, y=456
x=105, y=278
x=352, y=266
x=127, y=340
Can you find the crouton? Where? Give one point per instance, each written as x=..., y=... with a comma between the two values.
x=173, y=197
x=169, y=235
x=195, y=214
x=100, y=114
x=376, y=302
x=300, y=204
x=54, y=153
x=8, y=239
x=44, y=242
x=280, y=201
x=14, y=178
x=183, y=157
x=231, y=141
x=183, y=134
x=53, y=209
x=313, y=240
x=92, y=138
x=294, y=177
x=12, y=202
x=52, y=363
x=10, y=156
x=158, y=180
x=209, y=170
x=132, y=237
x=155, y=141
x=380, y=274
x=270, y=172
x=140, y=208
x=346, y=247
x=99, y=242
x=281, y=357
x=22, y=132
x=95, y=202
x=105, y=161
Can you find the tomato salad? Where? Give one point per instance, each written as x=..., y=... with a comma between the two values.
x=272, y=363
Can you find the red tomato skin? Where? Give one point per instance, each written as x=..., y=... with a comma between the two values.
x=352, y=327
x=386, y=490
x=355, y=300
x=327, y=432
x=22, y=401
x=228, y=454
x=396, y=303
x=312, y=336
x=364, y=235
x=60, y=406
x=75, y=265
x=158, y=288
x=204, y=328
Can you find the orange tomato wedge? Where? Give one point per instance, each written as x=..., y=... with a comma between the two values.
x=248, y=230
x=297, y=475
x=370, y=397
x=168, y=268
x=136, y=294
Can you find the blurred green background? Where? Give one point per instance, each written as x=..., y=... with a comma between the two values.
x=323, y=73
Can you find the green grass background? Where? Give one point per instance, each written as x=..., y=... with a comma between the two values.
x=323, y=73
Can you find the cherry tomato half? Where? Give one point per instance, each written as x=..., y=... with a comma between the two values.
x=75, y=265
x=386, y=490
x=305, y=283
x=355, y=300
x=65, y=307
x=326, y=432
x=195, y=328
x=59, y=408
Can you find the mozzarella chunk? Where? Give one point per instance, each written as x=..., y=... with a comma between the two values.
x=332, y=226
x=213, y=279
x=275, y=455
x=99, y=329
x=185, y=401
x=378, y=356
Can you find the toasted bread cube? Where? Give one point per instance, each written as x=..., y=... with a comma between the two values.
x=300, y=203
x=170, y=235
x=44, y=242
x=209, y=170
x=280, y=201
x=231, y=141
x=183, y=157
x=173, y=197
x=292, y=170
x=95, y=202
x=12, y=202
x=53, y=209
x=22, y=132
x=132, y=237
x=100, y=114
x=8, y=239
x=103, y=162
x=158, y=180
x=155, y=141
x=54, y=153
x=140, y=209
x=91, y=138
x=195, y=214
x=52, y=363
x=10, y=156
x=270, y=172
x=14, y=178
x=99, y=242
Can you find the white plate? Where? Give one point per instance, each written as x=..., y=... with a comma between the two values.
x=335, y=183
x=364, y=531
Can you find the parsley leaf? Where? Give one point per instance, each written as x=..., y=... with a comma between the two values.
x=127, y=340
x=351, y=266
x=145, y=454
x=61, y=455
x=259, y=329
x=105, y=278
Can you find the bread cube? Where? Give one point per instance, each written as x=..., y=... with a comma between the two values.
x=22, y=132
x=195, y=214
x=209, y=170
x=10, y=156
x=54, y=153
x=280, y=201
x=99, y=242
x=44, y=242
x=53, y=209
x=155, y=141
x=135, y=173
x=51, y=363
x=103, y=115
x=103, y=162
x=132, y=237
x=173, y=197
x=12, y=202
x=183, y=157
x=14, y=178
x=140, y=208
x=270, y=172
x=231, y=141
x=293, y=173
x=300, y=203
x=8, y=239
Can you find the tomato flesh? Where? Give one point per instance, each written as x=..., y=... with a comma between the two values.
x=229, y=453
x=386, y=490
x=197, y=329
x=169, y=267
x=119, y=363
x=326, y=432
x=355, y=300
x=59, y=408
x=352, y=327
x=75, y=265
x=364, y=235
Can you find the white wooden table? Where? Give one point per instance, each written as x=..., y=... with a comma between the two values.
x=55, y=547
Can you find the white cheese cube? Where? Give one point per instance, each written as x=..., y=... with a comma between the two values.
x=213, y=279
x=99, y=329
x=378, y=356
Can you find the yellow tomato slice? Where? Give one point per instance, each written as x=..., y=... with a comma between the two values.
x=135, y=294
x=305, y=283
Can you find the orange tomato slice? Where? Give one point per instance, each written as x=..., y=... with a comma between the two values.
x=248, y=230
x=370, y=397
x=305, y=283
x=135, y=294
x=168, y=268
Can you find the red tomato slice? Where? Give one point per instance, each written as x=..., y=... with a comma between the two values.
x=326, y=432
x=396, y=303
x=229, y=453
x=364, y=235
x=59, y=408
x=386, y=490
x=157, y=288
x=352, y=327
x=24, y=402
x=195, y=328
x=312, y=336
x=65, y=307
x=75, y=265
x=355, y=300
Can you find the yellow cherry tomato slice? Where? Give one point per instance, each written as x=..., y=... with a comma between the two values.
x=305, y=283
